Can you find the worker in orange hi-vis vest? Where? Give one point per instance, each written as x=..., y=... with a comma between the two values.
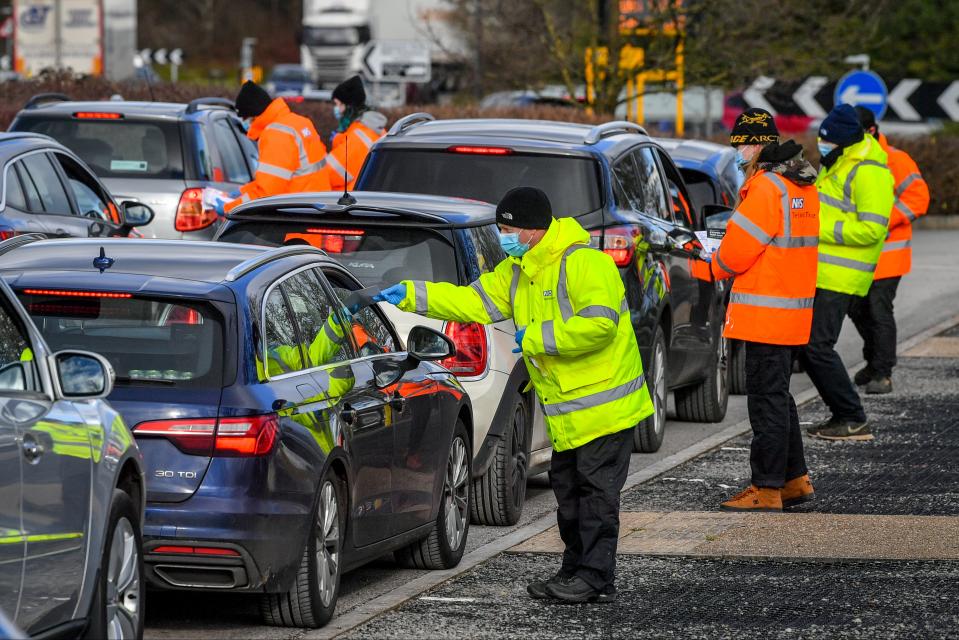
x=358, y=127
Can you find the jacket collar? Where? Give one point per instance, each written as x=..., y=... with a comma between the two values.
x=277, y=109
x=562, y=233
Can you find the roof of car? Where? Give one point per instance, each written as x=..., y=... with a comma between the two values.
x=17, y=142
x=693, y=151
x=130, y=108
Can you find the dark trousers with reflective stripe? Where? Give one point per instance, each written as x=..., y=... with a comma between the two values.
x=776, y=455
x=823, y=363
x=587, y=481
x=874, y=318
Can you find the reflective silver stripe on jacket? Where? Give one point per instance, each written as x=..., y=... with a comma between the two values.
x=419, y=290
x=847, y=188
x=514, y=285
x=771, y=302
x=495, y=315
x=897, y=245
x=837, y=232
x=795, y=243
x=595, y=399
x=754, y=230
x=276, y=126
x=784, y=196
x=338, y=168
x=273, y=170
x=906, y=183
x=849, y=263
x=722, y=264
x=562, y=296
x=274, y=355
x=599, y=311
x=331, y=334
x=905, y=210
x=836, y=202
x=549, y=339
x=362, y=136
x=310, y=168
x=865, y=216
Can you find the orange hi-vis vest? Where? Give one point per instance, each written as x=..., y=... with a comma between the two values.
x=342, y=169
x=292, y=155
x=912, y=201
x=772, y=247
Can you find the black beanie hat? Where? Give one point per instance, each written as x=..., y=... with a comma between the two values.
x=526, y=208
x=351, y=92
x=867, y=118
x=841, y=126
x=754, y=126
x=252, y=100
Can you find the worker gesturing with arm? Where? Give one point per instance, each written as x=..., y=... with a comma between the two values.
x=574, y=331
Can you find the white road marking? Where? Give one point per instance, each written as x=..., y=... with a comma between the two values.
x=438, y=599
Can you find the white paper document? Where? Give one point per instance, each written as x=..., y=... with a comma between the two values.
x=710, y=239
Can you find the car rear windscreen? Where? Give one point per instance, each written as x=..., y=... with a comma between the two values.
x=117, y=148
x=572, y=183
x=377, y=255
x=148, y=342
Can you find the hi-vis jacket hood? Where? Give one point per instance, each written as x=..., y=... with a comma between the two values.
x=579, y=344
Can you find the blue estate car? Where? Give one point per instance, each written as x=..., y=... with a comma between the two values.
x=285, y=440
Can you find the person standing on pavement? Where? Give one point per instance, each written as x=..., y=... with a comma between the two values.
x=568, y=304
x=291, y=153
x=855, y=198
x=358, y=127
x=873, y=315
x=770, y=247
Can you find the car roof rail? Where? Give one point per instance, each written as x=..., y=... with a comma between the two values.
x=599, y=132
x=408, y=122
x=40, y=98
x=15, y=242
x=222, y=103
x=267, y=257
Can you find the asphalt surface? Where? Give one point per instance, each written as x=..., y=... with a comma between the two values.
x=929, y=295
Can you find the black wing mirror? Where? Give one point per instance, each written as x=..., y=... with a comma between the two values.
x=428, y=344
x=716, y=216
x=136, y=214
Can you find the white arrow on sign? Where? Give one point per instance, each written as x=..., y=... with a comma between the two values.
x=176, y=57
x=145, y=55
x=949, y=101
x=899, y=99
x=754, y=94
x=805, y=96
x=159, y=56
x=851, y=95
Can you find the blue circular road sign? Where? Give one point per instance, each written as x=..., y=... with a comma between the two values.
x=863, y=88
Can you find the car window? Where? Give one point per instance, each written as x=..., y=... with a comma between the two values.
x=626, y=188
x=13, y=195
x=92, y=202
x=231, y=155
x=202, y=151
x=17, y=371
x=250, y=151
x=320, y=329
x=370, y=332
x=48, y=184
x=283, y=353
x=485, y=243
x=733, y=181
x=681, y=209
x=651, y=184
x=30, y=192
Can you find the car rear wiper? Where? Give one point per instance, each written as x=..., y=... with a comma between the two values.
x=158, y=381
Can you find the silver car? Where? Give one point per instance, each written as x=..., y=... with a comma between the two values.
x=71, y=490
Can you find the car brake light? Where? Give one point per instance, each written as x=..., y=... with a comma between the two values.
x=6, y=234
x=243, y=437
x=76, y=294
x=190, y=215
x=97, y=115
x=619, y=243
x=195, y=551
x=329, y=240
x=482, y=151
x=471, y=348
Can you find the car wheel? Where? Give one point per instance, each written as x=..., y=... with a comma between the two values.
x=312, y=598
x=443, y=547
x=648, y=435
x=498, y=495
x=117, y=610
x=706, y=401
x=737, y=368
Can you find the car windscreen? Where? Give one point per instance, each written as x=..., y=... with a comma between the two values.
x=116, y=148
x=572, y=183
x=377, y=255
x=148, y=341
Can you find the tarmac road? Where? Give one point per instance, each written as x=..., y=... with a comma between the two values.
x=927, y=296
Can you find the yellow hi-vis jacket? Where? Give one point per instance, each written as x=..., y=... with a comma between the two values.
x=855, y=202
x=579, y=346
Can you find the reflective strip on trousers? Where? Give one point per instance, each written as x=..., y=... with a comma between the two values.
x=273, y=170
x=906, y=183
x=771, y=302
x=595, y=399
x=896, y=245
x=339, y=168
x=495, y=315
x=905, y=210
x=549, y=339
x=865, y=216
x=419, y=290
x=754, y=230
x=825, y=258
x=565, y=306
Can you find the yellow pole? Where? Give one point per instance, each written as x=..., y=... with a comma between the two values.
x=680, y=85
x=640, y=90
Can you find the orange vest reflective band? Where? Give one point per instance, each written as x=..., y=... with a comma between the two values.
x=771, y=247
x=912, y=201
x=342, y=170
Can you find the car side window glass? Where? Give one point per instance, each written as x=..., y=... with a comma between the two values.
x=683, y=214
x=13, y=192
x=17, y=368
x=250, y=151
x=231, y=156
x=626, y=188
x=283, y=353
x=92, y=202
x=48, y=184
x=489, y=252
x=371, y=333
x=323, y=335
x=651, y=183
x=32, y=196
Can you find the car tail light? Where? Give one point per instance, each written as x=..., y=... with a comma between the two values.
x=7, y=233
x=330, y=240
x=472, y=350
x=190, y=215
x=97, y=115
x=617, y=242
x=76, y=294
x=482, y=151
x=244, y=437
x=194, y=551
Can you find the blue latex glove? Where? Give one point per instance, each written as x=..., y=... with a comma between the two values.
x=394, y=295
x=236, y=193
x=706, y=257
x=519, y=340
x=218, y=207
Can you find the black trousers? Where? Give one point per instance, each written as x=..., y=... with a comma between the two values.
x=876, y=323
x=821, y=361
x=587, y=481
x=776, y=455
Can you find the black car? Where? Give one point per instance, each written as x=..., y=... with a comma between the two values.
x=285, y=440
x=46, y=188
x=626, y=191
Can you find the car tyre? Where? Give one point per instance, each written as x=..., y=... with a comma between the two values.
x=311, y=600
x=443, y=547
x=648, y=434
x=707, y=400
x=117, y=609
x=737, y=368
x=498, y=495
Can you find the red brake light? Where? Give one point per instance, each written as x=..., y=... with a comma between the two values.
x=617, y=242
x=76, y=294
x=482, y=151
x=227, y=437
x=193, y=551
x=330, y=240
x=190, y=215
x=97, y=115
x=294, y=99
x=6, y=234
x=472, y=355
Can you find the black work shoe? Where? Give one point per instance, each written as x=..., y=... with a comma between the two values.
x=820, y=426
x=864, y=376
x=845, y=430
x=879, y=386
x=577, y=590
x=537, y=590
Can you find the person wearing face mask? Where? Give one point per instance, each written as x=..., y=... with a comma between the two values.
x=573, y=328
x=291, y=154
x=770, y=248
x=856, y=198
x=357, y=128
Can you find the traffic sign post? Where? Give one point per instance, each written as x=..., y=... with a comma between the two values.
x=863, y=88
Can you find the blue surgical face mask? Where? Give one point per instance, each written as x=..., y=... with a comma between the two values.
x=741, y=160
x=825, y=148
x=337, y=111
x=512, y=245
x=246, y=123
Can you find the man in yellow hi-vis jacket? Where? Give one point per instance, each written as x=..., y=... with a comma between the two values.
x=574, y=331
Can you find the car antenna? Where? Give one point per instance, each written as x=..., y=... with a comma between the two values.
x=102, y=262
x=346, y=199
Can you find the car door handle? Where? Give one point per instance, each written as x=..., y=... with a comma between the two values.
x=398, y=403
x=32, y=450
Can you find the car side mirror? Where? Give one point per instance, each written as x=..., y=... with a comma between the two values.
x=428, y=344
x=83, y=375
x=716, y=216
x=136, y=214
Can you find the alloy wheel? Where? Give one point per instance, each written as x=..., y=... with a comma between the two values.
x=327, y=543
x=659, y=389
x=518, y=461
x=123, y=583
x=455, y=494
x=722, y=367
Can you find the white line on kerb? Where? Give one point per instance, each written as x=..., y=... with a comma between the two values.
x=439, y=599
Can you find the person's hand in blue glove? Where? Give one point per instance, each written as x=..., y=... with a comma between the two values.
x=706, y=257
x=519, y=340
x=394, y=295
x=236, y=193
x=218, y=207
